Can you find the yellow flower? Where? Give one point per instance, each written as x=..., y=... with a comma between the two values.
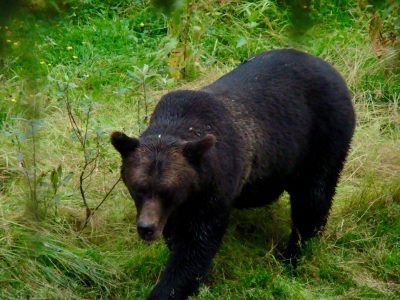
x=42, y=62
x=49, y=65
x=13, y=100
x=69, y=48
x=74, y=56
x=142, y=24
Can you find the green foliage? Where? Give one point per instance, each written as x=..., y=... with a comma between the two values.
x=111, y=60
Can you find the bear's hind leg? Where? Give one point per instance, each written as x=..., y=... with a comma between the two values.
x=310, y=199
x=312, y=189
x=309, y=210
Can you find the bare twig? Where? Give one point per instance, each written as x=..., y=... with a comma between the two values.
x=83, y=141
x=93, y=160
x=89, y=163
x=92, y=169
x=87, y=124
x=82, y=190
x=93, y=211
x=71, y=117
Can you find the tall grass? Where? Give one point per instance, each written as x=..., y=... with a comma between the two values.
x=95, y=46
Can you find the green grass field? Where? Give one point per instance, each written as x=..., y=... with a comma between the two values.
x=110, y=61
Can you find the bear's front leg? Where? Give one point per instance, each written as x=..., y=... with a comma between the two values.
x=194, y=244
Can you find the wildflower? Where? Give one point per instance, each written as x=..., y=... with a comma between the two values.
x=42, y=62
x=142, y=24
x=16, y=44
x=49, y=65
x=69, y=48
x=74, y=56
x=13, y=100
x=8, y=41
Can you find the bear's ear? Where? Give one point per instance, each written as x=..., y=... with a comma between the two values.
x=195, y=150
x=123, y=143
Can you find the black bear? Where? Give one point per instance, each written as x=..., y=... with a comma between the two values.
x=282, y=120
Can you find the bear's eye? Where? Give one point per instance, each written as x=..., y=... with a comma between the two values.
x=140, y=192
x=166, y=195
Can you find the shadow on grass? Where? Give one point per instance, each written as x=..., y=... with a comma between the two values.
x=263, y=228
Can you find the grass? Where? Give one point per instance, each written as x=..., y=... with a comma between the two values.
x=91, y=45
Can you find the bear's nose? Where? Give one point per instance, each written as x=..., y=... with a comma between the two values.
x=146, y=231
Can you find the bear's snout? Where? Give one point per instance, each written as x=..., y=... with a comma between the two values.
x=150, y=221
x=146, y=231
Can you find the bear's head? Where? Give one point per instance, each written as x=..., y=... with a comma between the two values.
x=160, y=173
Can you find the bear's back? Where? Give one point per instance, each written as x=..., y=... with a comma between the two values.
x=282, y=101
x=281, y=75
